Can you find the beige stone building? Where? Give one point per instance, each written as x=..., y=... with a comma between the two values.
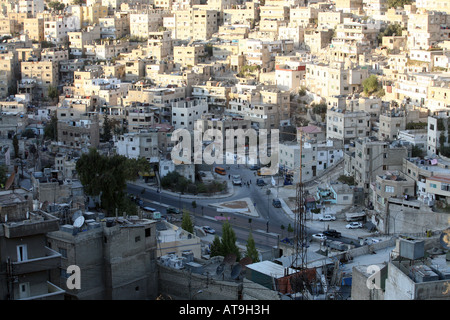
x=34, y=27
x=43, y=73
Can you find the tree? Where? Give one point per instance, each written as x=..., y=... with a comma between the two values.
x=3, y=177
x=16, y=146
x=51, y=128
x=53, y=92
x=186, y=222
x=251, y=252
x=228, y=243
x=107, y=129
x=56, y=5
x=398, y=3
x=370, y=85
x=391, y=30
x=105, y=176
x=216, y=247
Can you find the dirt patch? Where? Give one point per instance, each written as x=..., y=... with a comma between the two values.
x=235, y=205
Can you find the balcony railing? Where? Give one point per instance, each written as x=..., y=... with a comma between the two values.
x=51, y=260
x=53, y=293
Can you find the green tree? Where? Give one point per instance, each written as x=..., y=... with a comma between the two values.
x=51, y=129
x=391, y=30
x=251, y=252
x=16, y=146
x=56, y=5
x=186, y=222
x=105, y=176
x=216, y=247
x=3, y=177
x=228, y=243
x=398, y=3
x=53, y=92
x=107, y=129
x=194, y=205
x=370, y=85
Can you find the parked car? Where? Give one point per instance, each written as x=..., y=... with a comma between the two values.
x=209, y=230
x=276, y=203
x=255, y=167
x=319, y=236
x=173, y=210
x=327, y=217
x=237, y=180
x=332, y=233
x=370, y=241
x=354, y=225
x=260, y=182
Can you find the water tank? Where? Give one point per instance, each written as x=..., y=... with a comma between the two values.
x=412, y=249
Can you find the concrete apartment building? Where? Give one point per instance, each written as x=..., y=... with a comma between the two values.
x=347, y=125
x=185, y=113
x=371, y=158
x=159, y=45
x=118, y=257
x=142, y=144
x=188, y=56
x=78, y=40
x=114, y=27
x=391, y=184
x=43, y=73
x=438, y=132
x=81, y=134
x=34, y=28
x=196, y=23
x=316, y=157
x=141, y=24
x=427, y=28
x=246, y=14
x=334, y=79
x=26, y=259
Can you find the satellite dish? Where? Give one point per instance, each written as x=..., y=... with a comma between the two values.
x=76, y=215
x=444, y=239
x=236, y=271
x=230, y=259
x=79, y=222
x=220, y=269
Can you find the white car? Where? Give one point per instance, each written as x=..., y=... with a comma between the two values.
x=237, y=180
x=319, y=236
x=209, y=230
x=327, y=217
x=354, y=225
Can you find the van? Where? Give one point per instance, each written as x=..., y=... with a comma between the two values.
x=220, y=170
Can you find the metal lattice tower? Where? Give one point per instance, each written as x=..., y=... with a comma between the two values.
x=299, y=260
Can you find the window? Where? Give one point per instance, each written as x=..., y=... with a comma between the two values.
x=22, y=253
x=389, y=189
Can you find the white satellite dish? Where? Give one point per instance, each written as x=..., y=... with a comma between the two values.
x=79, y=222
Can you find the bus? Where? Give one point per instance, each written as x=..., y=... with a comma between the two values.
x=220, y=171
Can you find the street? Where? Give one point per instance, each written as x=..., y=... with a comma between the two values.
x=266, y=226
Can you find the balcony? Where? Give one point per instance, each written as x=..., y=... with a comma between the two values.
x=53, y=293
x=51, y=260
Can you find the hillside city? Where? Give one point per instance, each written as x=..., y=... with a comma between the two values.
x=99, y=202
